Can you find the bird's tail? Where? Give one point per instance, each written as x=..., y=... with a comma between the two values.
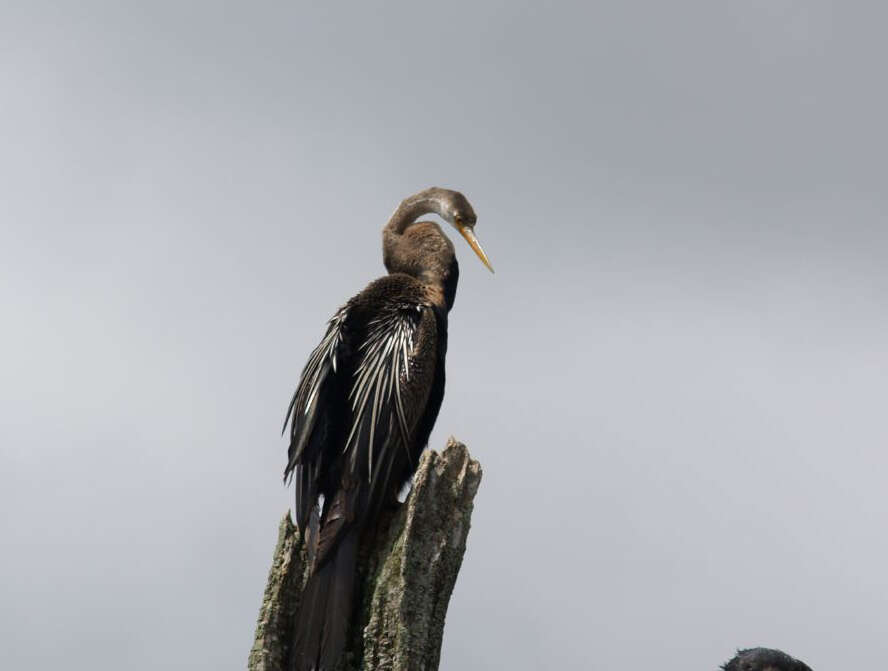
x=325, y=612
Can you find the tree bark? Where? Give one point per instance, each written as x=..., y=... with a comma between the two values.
x=407, y=568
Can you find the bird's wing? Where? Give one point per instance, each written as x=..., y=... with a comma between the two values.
x=312, y=415
x=392, y=376
x=377, y=393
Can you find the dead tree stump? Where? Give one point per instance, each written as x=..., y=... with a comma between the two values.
x=407, y=570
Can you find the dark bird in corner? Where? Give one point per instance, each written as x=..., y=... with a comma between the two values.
x=364, y=408
x=764, y=659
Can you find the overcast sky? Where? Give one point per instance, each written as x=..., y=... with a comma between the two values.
x=676, y=382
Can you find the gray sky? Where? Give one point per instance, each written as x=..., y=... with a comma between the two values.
x=675, y=382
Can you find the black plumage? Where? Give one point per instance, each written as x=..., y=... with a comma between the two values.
x=764, y=659
x=364, y=408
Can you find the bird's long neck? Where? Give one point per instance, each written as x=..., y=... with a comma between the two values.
x=420, y=249
x=428, y=201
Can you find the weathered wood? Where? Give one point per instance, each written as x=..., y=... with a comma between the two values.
x=407, y=571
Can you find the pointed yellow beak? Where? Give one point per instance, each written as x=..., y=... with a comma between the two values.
x=467, y=232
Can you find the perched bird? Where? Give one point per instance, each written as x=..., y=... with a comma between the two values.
x=764, y=659
x=365, y=406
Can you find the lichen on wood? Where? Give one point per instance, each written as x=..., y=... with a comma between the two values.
x=407, y=569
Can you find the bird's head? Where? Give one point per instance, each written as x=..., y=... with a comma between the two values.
x=451, y=206
x=764, y=659
x=455, y=209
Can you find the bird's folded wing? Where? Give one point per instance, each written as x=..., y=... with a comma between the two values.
x=366, y=392
x=377, y=395
x=310, y=417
